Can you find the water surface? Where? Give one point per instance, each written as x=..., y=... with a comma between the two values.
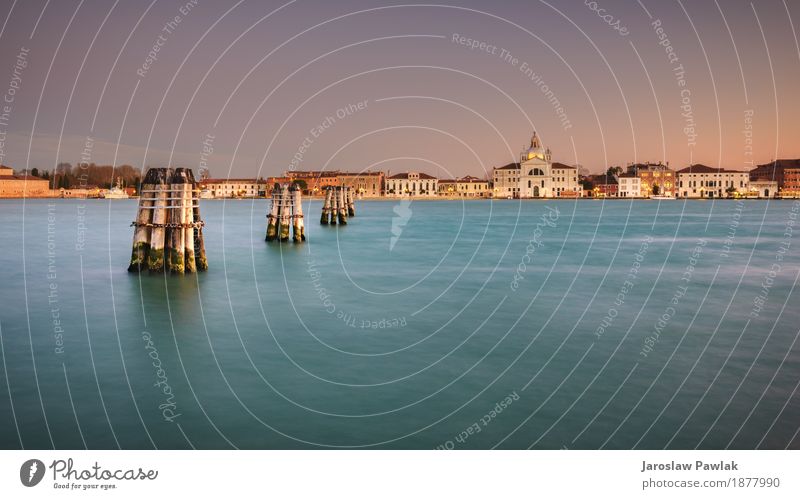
x=429, y=334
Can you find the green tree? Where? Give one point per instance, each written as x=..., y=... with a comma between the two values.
x=302, y=184
x=35, y=172
x=656, y=190
x=613, y=170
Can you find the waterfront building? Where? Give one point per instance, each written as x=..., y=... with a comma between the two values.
x=464, y=187
x=535, y=176
x=602, y=186
x=316, y=181
x=446, y=187
x=536, y=179
x=763, y=188
x=565, y=181
x=18, y=186
x=505, y=181
x=83, y=192
x=472, y=187
x=411, y=184
x=791, y=183
x=364, y=183
x=655, y=179
x=629, y=185
x=775, y=170
x=233, y=188
x=701, y=181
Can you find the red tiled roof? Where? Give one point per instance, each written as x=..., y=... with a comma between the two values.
x=29, y=178
x=510, y=166
x=229, y=180
x=706, y=169
x=311, y=173
x=647, y=166
x=782, y=163
x=359, y=174
x=603, y=179
x=423, y=176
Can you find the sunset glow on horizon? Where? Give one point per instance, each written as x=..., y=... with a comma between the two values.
x=451, y=90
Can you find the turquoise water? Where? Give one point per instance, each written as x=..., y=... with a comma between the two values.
x=428, y=335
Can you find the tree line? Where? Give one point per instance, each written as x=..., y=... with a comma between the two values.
x=67, y=176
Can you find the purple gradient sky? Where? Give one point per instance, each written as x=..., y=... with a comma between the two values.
x=431, y=104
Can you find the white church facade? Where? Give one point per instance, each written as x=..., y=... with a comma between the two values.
x=536, y=176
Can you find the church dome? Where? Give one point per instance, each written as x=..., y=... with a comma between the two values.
x=535, y=151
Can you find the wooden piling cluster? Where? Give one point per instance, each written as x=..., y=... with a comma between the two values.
x=286, y=212
x=339, y=204
x=168, y=232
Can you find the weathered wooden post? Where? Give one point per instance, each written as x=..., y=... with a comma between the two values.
x=326, y=207
x=160, y=194
x=341, y=205
x=144, y=217
x=298, y=230
x=334, y=211
x=351, y=206
x=199, y=244
x=274, y=214
x=175, y=232
x=188, y=220
x=173, y=225
x=286, y=214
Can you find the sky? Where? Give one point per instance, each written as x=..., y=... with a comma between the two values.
x=253, y=88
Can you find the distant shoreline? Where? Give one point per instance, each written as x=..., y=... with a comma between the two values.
x=443, y=198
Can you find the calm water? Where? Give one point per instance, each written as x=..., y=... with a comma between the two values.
x=426, y=335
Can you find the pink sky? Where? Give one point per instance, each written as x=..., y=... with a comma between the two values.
x=265, y=78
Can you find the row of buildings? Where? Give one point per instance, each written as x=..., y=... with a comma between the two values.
x=537, y=176
x=534, y=176
x=697, y=181
x=367, y=183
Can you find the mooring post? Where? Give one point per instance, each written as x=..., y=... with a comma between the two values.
x=286, y=214
x=175, y=253
x=351, y=206
x=326, y=207
x=274, y=214
x=168, y=223
x=155, y=257
x=298, y=230
x=334, y=208
x=144, y=217
x=188, y=220
x=199, y=244
x=342, y=206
